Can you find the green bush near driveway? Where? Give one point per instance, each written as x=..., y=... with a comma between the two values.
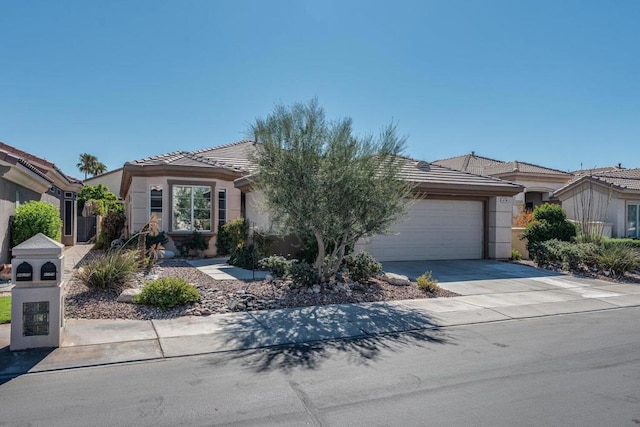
x=427, y=283
x=616, y=259
x=635, y=243
x=362, y=266
x=619, y=259
x=550, y=222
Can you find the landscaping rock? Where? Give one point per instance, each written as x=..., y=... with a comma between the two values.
x=166, y=254
x=396, y=279
x=223, y=296
x=128, y=294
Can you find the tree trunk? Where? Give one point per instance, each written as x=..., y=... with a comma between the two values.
x=321, y=255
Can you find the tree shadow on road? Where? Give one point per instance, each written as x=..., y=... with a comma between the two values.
x=304, y=338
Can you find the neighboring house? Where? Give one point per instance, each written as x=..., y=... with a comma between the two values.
x=111, y=180
x=25, y=177
x=188, y=191
x=607, y=195
x=456, y=215
x=539, y=182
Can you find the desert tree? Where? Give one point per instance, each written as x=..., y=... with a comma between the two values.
x=319, y=179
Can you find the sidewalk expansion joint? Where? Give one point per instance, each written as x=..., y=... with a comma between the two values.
x=155, y=331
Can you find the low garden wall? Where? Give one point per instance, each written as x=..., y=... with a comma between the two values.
x=517, y=244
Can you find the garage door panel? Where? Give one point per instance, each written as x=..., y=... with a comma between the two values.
x=434, y=229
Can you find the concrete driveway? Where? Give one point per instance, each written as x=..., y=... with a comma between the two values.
x=478, y=277
x=465, y=270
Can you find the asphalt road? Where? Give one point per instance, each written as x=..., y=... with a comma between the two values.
x=574, y=370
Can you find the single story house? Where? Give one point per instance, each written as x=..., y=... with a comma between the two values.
x=456, y=215
x=539, y=182
x=25, y=177
x=607, y=195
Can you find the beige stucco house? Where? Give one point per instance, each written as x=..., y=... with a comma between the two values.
x=539, y=182
x=610, y=196
x=455, y=215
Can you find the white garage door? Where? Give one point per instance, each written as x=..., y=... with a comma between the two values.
x=434, y=230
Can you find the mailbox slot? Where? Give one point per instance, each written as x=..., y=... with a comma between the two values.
x=48, y=271
x=24, y=272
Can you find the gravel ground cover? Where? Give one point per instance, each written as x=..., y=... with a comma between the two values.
x=223, y=296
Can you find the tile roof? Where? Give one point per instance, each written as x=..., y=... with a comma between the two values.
x=13, y=157
x=430, y=173
x=468, y=163
x=232, y=156
x=517, y=166
x=592, y=171
x=42, y=165
x=485, y=166
x=621, y=179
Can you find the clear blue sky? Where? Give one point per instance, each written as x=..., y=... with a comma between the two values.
x=551, y=82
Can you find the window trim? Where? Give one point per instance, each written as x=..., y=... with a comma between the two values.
x=190, y=183
x=156, y=187
x=67, y=223
x=226, y=205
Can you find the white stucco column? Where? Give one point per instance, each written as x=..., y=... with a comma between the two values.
x=499, y=229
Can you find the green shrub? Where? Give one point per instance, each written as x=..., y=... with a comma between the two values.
x=197, y=241
x=98, y=207
x=619, y=259
x=362, y=266
x=99, y=192
x=278, y=265
x=621, y=242
x=550, y=223
x=108, y=272
x=569, y=255
x=112, y=226
x=232, y=236
x=246, y=258
x=263, y=244
x=303, y=274
x=167, y=292
x=36, y=217
x=223, y=241
x=515, y=255
x=427, y=283
x=539, y=253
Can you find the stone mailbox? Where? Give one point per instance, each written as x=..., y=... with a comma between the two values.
x=37, y=306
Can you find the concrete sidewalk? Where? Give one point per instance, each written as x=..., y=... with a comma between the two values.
x=501, y=292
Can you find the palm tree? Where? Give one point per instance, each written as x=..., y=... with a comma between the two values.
x=98, y=168
x=86, y=163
